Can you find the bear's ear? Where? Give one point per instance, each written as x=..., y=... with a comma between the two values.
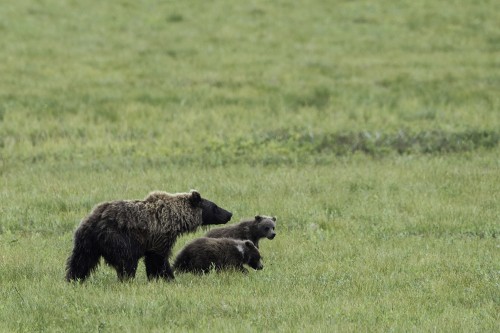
x=249, y=244
x=258, y=218
x=195, y=198
x=274, y=218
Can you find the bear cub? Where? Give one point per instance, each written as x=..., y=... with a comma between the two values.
x=260, y=227
x=202, y=254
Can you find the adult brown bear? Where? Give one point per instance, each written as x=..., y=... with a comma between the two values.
x=124, y=231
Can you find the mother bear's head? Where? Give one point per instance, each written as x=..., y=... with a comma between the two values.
x=211, y=213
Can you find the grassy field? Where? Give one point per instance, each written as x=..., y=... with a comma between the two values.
x=371, y=130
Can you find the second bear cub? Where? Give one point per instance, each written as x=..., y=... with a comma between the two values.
x=254, y=229
x=202, y=254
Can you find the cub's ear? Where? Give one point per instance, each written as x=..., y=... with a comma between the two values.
x=249, y=244
x=258, y=218
x=274, y=218
x=195, y=198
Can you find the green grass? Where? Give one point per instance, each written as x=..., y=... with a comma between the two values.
x=371, y=130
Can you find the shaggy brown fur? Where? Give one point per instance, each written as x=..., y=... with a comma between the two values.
x=204, y=253
x=253, y=229
x=124, y=231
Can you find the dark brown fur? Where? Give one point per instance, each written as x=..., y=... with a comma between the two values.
x=124, y=231
x=254, y=229
x=204, y=253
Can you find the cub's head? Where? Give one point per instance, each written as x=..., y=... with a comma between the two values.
x=211, y=213
x=251, y=255
x=266, y=226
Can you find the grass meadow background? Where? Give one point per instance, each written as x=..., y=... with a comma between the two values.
x=370, y=129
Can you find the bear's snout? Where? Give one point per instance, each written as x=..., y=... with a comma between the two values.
x=259, y=267
x=272, y=236
x=226, y=217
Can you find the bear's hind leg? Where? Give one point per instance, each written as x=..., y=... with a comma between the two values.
x=85, y=256
x=81, y=264
x=126, y=270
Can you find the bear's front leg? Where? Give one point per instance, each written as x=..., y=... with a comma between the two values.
x=167, y=273
x=243, y=270
x=157, y=266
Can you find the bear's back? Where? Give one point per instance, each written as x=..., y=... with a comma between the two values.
x=239, y=230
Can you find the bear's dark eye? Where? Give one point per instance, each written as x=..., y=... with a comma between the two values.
x=267, y=228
